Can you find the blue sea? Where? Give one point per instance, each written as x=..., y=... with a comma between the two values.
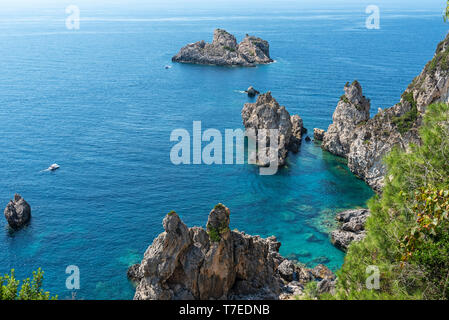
x=99, y=102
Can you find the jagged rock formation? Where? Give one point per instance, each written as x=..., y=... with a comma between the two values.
x=266, y=113
x=217, y=263
x=17, y=212
x=364, y=142
x=225, y=51
x=318, y=134
x=352, y=228
x=352, y=109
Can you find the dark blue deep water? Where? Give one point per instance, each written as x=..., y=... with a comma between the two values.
x=99, y=102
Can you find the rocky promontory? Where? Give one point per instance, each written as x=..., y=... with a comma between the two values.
x=216, y=263
x=352, y=228
x=364, y=141
x=17, y=212
x=352, y=109
x=266, y=113
x=225, y=51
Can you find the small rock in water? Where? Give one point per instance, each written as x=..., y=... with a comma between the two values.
x=296, y=256
x=318, y=134
x=312, y=238
x=308, y=139
x=225, y=51
x=252, y=92
x=267, y=113
x=319, y=260
x=17, y=212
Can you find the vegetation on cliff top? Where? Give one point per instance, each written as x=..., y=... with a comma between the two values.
x=405, y=122
x=31, y=289
x=408, y=231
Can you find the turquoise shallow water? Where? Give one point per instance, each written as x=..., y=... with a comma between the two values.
x=99, y=102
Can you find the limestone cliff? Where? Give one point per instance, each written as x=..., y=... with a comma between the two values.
x=225, y=51
x=365, y=141
x=352, y=110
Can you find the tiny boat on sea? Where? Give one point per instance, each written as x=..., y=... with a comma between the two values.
x=53, y=167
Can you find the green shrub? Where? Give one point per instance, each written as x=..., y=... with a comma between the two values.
x=441, y=59
x=219, y=206
x=229, y=48
x=344, y=98
x=394, y=216
x=214, y=235
x=310, y=291
x=405, y=122
x=427, y=243
x=30, y=289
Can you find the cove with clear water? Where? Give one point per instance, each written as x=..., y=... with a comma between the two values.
x=99, y=102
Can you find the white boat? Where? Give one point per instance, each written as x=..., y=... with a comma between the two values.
x=53, y=167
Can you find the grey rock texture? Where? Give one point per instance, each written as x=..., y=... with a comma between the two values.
x=352, y=110
x=252, y=92
x=217, y=263
x=352, y=228
x=266, y=113
x=17, y=212
x=225, y=51
x=365, y=141
x=318, y=134
x=134, y=273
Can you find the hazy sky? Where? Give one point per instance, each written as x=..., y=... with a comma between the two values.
x=419, y=4
x=166, y=7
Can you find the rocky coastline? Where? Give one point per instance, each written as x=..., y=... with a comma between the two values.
x=364, y=141
x=352, y=228
x=225, y=51
x=216, y=263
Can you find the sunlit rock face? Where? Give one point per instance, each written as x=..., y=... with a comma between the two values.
x=364, y=141
x=225, y=51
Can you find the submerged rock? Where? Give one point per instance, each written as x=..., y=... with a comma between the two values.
x=17, y=212
x=352, y=228
x=225, y=51
x=365, y=141
x=216, y=263
x=266, y=113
